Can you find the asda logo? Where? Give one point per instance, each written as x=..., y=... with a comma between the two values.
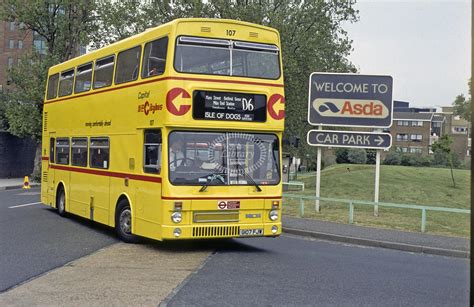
x=355, y=108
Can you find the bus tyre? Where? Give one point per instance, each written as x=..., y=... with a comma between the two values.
x=123, y=222
x=61, y=202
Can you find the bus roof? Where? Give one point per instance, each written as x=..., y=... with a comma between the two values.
x=144, y=36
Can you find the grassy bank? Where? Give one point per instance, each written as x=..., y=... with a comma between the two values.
x=398, y=184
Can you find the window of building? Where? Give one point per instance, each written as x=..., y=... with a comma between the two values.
x=11, y=44
x=65, y=82
x=399, y=122
x=12, y=26
x=416, y=137
x=62, y=150
x=415, y=150
x=103, y=72
x=152, y=151
x=405, y=123
x=20, y=44
x=53, y=86
x=40, y=45
x=79, y=151
x=402, y=137
x=436, y=124
x=1, y=88
x=417, y=123
x=99, y=152
x=401, y=149
x=10, y=63
x=83, y=78
x=154, y=58
x=460, y=129
x=128, y=62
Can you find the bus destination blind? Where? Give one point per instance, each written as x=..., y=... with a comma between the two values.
x=211, y=105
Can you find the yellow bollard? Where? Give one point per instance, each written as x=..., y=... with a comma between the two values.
x=26, y=183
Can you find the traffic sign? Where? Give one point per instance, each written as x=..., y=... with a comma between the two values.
x=327, y=138
x=350, y=100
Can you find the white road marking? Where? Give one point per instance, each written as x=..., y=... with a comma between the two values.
x=24, y=205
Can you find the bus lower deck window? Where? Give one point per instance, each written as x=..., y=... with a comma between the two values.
x=62, y=151
x=79, y=151
x=152, y=152
x=99, y=152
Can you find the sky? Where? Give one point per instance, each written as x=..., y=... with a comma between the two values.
x=424, y=45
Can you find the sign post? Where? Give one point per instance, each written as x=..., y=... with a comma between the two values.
x=350, y=100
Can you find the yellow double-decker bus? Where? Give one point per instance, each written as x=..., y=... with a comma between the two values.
x=174, y=133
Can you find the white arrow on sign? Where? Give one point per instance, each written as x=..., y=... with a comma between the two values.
x=379, y=140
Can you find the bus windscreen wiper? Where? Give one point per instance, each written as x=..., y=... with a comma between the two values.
x=252, y=181
x=213, y=177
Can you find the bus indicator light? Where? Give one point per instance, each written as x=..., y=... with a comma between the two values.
x=177, y=109
x=276, y=113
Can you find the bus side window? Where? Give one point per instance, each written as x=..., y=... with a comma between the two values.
x=62, y=150
x=79, y=151
x=128, y=62
x=51, y=150
x=103, y=71
x=83, y=78
x=154, y=58
x=99, y=152
x=65, y=82
x=53, y=86
x=152, y=152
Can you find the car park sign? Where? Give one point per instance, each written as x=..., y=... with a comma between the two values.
x=350, y=139
x=350, y=100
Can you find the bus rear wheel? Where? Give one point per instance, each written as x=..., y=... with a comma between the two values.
x=123, y=222
x=61, y=202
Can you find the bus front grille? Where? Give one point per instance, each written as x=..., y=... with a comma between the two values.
x=216, y=231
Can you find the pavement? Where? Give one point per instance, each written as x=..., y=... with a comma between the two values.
x=13, y=183
x=377, y=237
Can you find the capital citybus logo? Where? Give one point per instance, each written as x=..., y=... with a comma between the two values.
x=356, y=108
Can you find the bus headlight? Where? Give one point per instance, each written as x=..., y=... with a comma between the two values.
x=176, y=217
x=273, y=215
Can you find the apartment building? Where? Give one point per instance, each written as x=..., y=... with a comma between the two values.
x=411, y=132
x=459, y=130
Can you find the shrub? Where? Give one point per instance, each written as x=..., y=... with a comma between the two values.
x=440, y=158
x=328, y=161
x=371, y=156
x=426, y=161
x=341, y=155
x=393, y=158
x=357, y=156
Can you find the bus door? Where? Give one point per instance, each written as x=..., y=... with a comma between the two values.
x=50, y=185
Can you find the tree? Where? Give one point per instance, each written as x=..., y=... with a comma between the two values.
x=357, y=155
x=462, y=105
x=63, y=25
x=443, y=145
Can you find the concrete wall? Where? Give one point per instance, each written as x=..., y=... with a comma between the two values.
x=16, y=156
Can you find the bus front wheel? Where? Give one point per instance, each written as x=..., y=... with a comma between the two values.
x=123, y=222
x=61, y=201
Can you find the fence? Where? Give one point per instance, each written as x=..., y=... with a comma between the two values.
x=352, y=203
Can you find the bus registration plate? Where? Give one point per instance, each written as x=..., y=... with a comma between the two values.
x=251, y=232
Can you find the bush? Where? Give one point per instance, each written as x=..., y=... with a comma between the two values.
x=440, y=158
x=393, y=158
x=341, y=155
x=426, y=161
x=371, y=156
x=357, y=156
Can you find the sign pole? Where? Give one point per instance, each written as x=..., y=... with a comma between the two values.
x=377, y=180
x=318, y=175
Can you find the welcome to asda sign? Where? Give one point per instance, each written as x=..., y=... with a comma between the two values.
x=350, y=100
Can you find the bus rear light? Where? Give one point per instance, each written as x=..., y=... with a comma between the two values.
x=178, y=206
x=275, y=204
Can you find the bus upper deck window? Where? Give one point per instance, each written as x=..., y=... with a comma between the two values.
x=83, y=78
x=154, y=58
x=128, y=62
x=65, y=82
x=103, y=72
x=53, y=86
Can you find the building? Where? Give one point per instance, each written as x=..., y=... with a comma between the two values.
x=459, y=130
x=411, y=132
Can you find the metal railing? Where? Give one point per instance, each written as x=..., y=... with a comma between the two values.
x=352, y=203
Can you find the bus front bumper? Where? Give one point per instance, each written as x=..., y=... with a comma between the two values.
x=210, y=231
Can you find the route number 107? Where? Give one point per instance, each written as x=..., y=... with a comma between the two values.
x=230, y=32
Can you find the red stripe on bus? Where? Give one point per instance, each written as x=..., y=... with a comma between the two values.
x=107, y=173
x=164, y=79
x=45, y=158
x=220, y=198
